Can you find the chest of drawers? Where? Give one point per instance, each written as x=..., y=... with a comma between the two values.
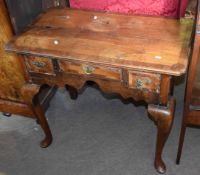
x=134, y=56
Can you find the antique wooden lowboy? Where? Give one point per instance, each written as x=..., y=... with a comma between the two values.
x=134, y=56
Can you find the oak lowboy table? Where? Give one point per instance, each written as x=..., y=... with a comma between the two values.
x=134, y=56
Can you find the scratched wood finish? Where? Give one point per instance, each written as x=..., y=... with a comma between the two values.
x=11, y=75
x=109, y=38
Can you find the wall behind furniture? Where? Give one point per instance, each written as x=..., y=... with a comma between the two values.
x=23, y=12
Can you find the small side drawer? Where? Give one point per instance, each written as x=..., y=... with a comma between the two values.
x=39, y=65
x=90, y=70
x=144, y=81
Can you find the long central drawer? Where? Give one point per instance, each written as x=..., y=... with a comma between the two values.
x=90, y=70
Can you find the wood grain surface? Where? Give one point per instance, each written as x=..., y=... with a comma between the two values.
x=11, y=75
x=137, y=42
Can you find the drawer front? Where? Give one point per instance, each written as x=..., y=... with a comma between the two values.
x=39, y=65
x=144, y=81
x=90, y=70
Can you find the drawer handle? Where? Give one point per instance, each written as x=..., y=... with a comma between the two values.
x=88, y=69
x=139, y=84
x=39, y=64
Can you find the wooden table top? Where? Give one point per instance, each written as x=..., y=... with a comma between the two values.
x=145, y=43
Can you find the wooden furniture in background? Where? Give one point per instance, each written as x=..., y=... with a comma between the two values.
x=191, y=112
x=134, y=56
x=13, y=75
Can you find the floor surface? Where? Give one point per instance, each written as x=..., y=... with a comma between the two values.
x=94, y=135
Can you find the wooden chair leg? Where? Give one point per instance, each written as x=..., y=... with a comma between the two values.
x=163, y=117
x=181, y=140
x=30, y=95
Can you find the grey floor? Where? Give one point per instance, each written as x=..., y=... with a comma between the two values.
x=94, y=135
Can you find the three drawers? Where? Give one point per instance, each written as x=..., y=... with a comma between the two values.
x=134, y=79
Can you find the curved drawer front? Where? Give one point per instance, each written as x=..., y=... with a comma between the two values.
x=39, y=65
x=144, y=81
x=90, y=70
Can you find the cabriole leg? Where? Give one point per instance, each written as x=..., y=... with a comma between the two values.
x=163, y=117
x=30, y=95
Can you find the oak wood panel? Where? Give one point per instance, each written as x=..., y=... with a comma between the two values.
x=157, y=44
x=11, y=74
x=102, y=72
x=101, y=21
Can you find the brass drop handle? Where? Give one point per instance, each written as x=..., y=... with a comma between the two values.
x=39, y=64
x=139, y=84
x=88, y=69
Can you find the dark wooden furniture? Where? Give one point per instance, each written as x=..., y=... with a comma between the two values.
x=134, y=56
x=13, y=76
x=191, y=112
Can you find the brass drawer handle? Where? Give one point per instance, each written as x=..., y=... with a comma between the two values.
x=39, y=64
x=88, y=69
x=139, y=84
